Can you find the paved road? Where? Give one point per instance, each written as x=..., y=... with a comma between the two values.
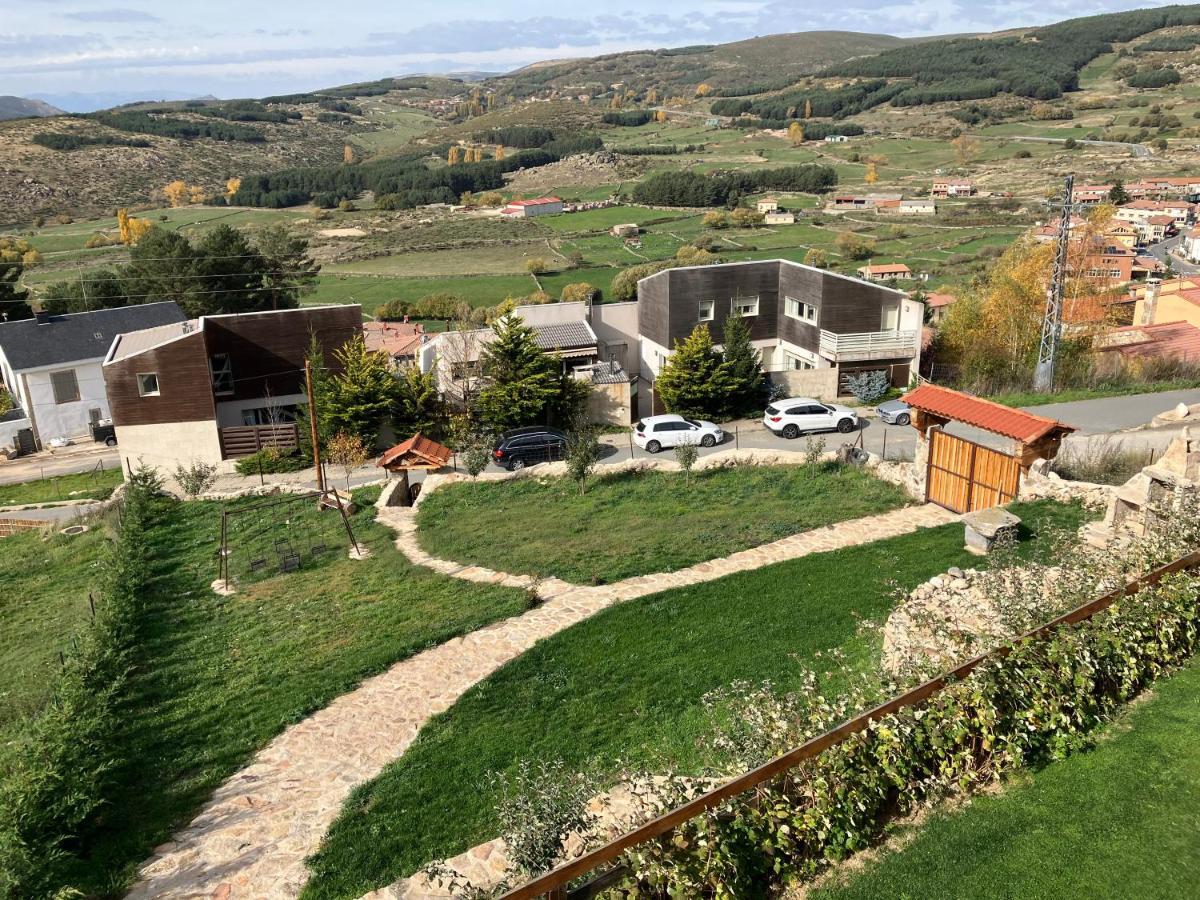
x=1165, y=252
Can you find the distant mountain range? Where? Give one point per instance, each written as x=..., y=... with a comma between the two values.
x=76, y=102
x=24, y=108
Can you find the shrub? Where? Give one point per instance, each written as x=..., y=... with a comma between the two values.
x=271, y=461
x=1101, y=462
x=686, y=454
x=583, y=451
x=868, y=387
x=536, y=266
x=1022, y=154
x=196, y=478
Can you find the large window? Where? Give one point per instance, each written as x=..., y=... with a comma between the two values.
x=707, y=309
x=792, y=361
x=798, y=309
x=745, y=306
x=66, y=386
x=222, y=373
x=147, y=384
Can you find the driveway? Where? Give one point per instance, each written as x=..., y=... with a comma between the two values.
x=64, y=461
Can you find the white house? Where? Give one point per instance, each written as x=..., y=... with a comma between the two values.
x=51, y=365
x=541, y=206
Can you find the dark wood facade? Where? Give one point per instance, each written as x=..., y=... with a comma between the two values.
x=266, y=352
x=669, y=302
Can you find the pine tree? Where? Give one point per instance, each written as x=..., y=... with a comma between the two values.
x=361, y=396
x=289, y=271
x=14, y=301
x=741, y=368
x=1117, y=194
x=418, y=405
x=693, y=381
x=524, y=385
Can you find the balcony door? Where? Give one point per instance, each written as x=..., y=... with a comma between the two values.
x=891, y=318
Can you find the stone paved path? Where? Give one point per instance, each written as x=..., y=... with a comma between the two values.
x=251, y=838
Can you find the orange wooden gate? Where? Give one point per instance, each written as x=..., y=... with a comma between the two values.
x=964, y=476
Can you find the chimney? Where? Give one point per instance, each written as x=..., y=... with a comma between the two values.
x=42, y=317
x=1150, y=304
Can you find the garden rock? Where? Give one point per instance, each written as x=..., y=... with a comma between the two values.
x=987, y=526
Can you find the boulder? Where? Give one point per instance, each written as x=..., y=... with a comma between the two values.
x=987, y=526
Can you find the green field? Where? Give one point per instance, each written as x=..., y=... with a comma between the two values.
x=622, y=691
x=615, y=530
x=95, y=485
x=1116, y=822
x=485, y=260
x=478, y=290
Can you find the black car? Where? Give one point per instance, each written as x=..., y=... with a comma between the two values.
x=523, y=447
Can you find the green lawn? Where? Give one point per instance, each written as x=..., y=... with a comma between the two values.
x=624, y=688
x=1120, y=821
x=636, y=523
x=1068, y=395
x=218, y=677
x=44, y=602
x=79, y=486
x=370, y=291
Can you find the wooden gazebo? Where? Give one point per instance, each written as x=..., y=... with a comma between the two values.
x=416, y=453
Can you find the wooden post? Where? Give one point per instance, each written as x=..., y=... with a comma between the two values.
x=312, y=422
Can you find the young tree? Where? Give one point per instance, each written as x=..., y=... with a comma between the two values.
x=966, y=148
x=523, y=385
x=686, y=454
x=232, y=185
x=196, y=478
x=579, y=291
x=693, y=381
x=816, y=257
x=853, y=246
x=583, y=451
x=348, y=452
x=289, y=272
x=741, y=366
x=362, y=395
x=349, y=157
x=14, y=300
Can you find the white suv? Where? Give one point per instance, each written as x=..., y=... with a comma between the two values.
x=799, y=415
x=653, y=433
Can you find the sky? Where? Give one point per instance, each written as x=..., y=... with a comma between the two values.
x=134, y=49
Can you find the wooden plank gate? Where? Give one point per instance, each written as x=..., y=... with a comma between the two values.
x=963, y=476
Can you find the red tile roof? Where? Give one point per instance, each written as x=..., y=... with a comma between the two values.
x=396, y=339
x=1001, y=420
x=429, y=452
x=934, y=301
x=884, y=269
x=1165, y=340
x=537, y=201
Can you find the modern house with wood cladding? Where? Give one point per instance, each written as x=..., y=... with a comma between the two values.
x=219, y=387
x=814, y=328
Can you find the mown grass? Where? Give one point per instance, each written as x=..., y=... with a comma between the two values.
x=215, y=678
x=1069, y=395
x=77, y=486
x=44, y=602
x=636, y=523
x=624, y=688
x=1119, y=821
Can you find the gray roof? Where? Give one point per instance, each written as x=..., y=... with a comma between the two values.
x=134, y=342
x=564, y=335
x=69, y=338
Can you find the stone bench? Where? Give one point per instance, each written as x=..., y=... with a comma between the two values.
x=987, y=526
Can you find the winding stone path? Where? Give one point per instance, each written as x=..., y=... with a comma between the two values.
x=251, y=839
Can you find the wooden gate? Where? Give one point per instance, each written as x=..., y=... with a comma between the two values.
x=964, y=476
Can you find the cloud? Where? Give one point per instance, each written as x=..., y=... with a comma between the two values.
x=111, y=16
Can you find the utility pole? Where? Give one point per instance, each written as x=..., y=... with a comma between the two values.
x=312, y=423
x=1043, y=375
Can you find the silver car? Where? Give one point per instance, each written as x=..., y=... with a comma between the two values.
x=894, y=412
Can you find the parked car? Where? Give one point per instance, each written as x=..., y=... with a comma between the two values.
x=894, y=412
x=655, y=433
x=523, y=447
x=800, y=415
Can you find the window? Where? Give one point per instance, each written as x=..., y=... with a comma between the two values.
x=745, y=306
x=796, y=362
x=463, y=370
x=147, y=384
x=66, y=386
x=269, y=415
x=706, y=310
x=222, y=373
x=798, y=309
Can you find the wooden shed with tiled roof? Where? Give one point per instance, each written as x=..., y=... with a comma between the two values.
x=418, y=453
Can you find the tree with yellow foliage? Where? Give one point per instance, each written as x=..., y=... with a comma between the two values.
x=196, y=194
x=615, y=102
x=966, y=148
x=131, y=230
x=232, y=186
x=651, y=96
x=703, y=90
x=176, y=192
x=349, y=157
x=872, y=174
x=808, y=109
x=491, y=199
x=499, y=152
x=454, y=156
x=796, y=134
x=31, y=258
x=660, y=116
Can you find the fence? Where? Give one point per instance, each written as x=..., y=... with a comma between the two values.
x=248, y=439
x=554, y=884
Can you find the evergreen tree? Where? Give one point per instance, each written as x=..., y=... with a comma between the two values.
x=1117, y=193
x=100, y=289
x=694, y=381
x=418, y=405
x=289, y=272
x=231, y=273
x=162, y=266
x=741, y=367
x=361, y=395
x=14, y=301
x=523, y=384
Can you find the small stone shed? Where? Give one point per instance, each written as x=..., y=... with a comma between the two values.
x=418, y=453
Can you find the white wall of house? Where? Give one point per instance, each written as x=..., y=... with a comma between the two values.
x=9, y=429
x=652, y=357
x=158, y=446
x=616, y=327
x=70, y=419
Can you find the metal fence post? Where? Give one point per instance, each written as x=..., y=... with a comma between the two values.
x=737, y=438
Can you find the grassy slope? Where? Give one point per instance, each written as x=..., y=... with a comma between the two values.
x=1120, y=821
x=636, y=523
x=81, y=485
x=43, y=603
x=1029, y=398
x=218, y=677
x=624, y=685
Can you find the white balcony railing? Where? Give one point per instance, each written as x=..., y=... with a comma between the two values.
x=868, y=345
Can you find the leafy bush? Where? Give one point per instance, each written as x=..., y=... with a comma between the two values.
x=868, y=387
x=196, y=478
x=1155, y=78
x=271, y=461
